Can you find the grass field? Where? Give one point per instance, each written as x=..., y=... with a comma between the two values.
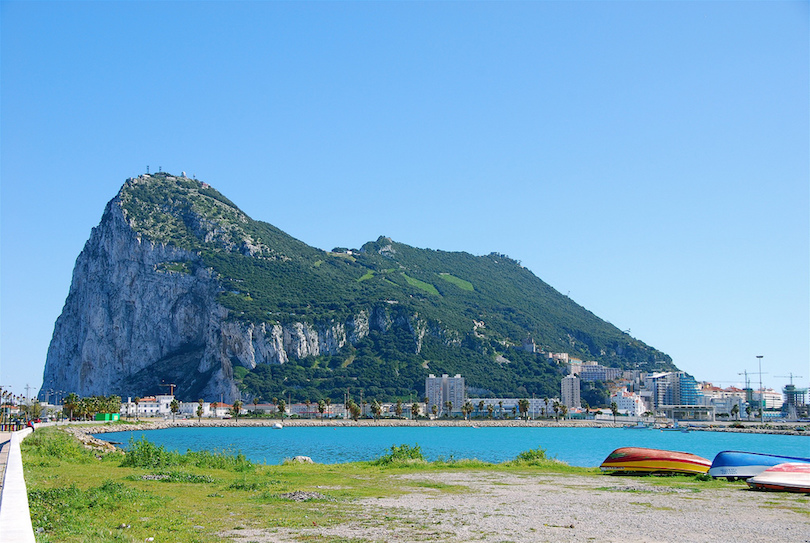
x=81, y=495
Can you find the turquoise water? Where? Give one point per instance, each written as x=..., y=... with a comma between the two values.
x=586, y=447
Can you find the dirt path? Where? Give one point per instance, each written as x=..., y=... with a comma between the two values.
x=497, y=507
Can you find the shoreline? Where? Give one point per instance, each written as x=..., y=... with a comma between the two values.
x=84, y=431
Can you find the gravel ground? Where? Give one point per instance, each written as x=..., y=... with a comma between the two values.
x=497, y=507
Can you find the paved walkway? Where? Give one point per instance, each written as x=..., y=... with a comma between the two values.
x=15, y=517
x=5, y=440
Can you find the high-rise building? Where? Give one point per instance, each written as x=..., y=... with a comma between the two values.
x=569, y=391
x=440, y=390
x=671, y=388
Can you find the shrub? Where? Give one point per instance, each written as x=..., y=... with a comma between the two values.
x=144, y=454
x=173, y=477
x=56, y=444
x=227, y=460
x=532, y=455
x=401, y=454
x=535, y=457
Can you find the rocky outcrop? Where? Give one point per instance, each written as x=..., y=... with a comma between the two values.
x=140, y=314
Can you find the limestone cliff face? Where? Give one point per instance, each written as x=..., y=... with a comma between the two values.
x=140, y=314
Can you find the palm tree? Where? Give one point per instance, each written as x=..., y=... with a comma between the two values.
x=255, y=405
x=282, y=407
x=468, y=409
x=449, y=406
x=199, y=409
x=556, y=408
x=137, y=400
x=735, y=411
x=321, y=407
x=328, y=405
x=500, y=409
x=545, y=407
x=435, y=409
x=113, y=404
x=376, y=409
x=398, y=409
x=174, y=407
x=425, y=401
x=415, y=410
x=308, y=404
x=490, y=410
x=480, y=407
x=237, y=407
x=563, y=410
x=614, y=408
x=524, y=408
x=71, y=402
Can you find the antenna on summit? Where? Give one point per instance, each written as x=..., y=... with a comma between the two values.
x=147, y=169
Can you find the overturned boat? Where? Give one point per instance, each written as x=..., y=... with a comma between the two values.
x=787, y=477
x=641, y=460
x=742, y=465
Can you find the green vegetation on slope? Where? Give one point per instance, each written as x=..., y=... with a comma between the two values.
x=474, y=308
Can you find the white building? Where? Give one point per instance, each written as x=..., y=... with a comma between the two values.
x=629, y=403
x=772, y=399
x=148, y=406
x=189, y=410
x=569, y=392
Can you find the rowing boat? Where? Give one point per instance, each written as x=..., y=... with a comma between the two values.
x=641, y=460
x=787, y=477
x=742, y=465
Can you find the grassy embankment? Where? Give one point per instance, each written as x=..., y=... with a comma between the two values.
x=85, y=496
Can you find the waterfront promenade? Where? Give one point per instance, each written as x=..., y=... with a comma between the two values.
x=5, y=440
x=15, y=517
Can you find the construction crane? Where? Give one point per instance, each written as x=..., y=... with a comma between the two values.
x=748, y=387
x=171, y=388
x=790, y=376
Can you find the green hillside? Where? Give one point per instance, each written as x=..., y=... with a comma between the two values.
x=268, y=276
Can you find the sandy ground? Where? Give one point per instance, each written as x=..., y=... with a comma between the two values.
x=497, y=507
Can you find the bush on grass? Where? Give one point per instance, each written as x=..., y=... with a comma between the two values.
x=402, y=454
x=145, y=454
x=534, y=457
x=55, y=444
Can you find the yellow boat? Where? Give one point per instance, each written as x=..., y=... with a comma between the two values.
x=641, y=460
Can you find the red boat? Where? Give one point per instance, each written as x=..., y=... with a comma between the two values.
x=787, y=477
x=641, y=460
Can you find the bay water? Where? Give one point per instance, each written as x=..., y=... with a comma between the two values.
x=584, y=447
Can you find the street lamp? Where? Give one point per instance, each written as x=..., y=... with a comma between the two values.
x=761, y=392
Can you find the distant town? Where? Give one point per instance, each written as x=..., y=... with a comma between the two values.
x=634, y=396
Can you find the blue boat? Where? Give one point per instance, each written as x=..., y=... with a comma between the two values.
x=742, y=465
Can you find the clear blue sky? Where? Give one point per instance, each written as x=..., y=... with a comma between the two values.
x=649, y=158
